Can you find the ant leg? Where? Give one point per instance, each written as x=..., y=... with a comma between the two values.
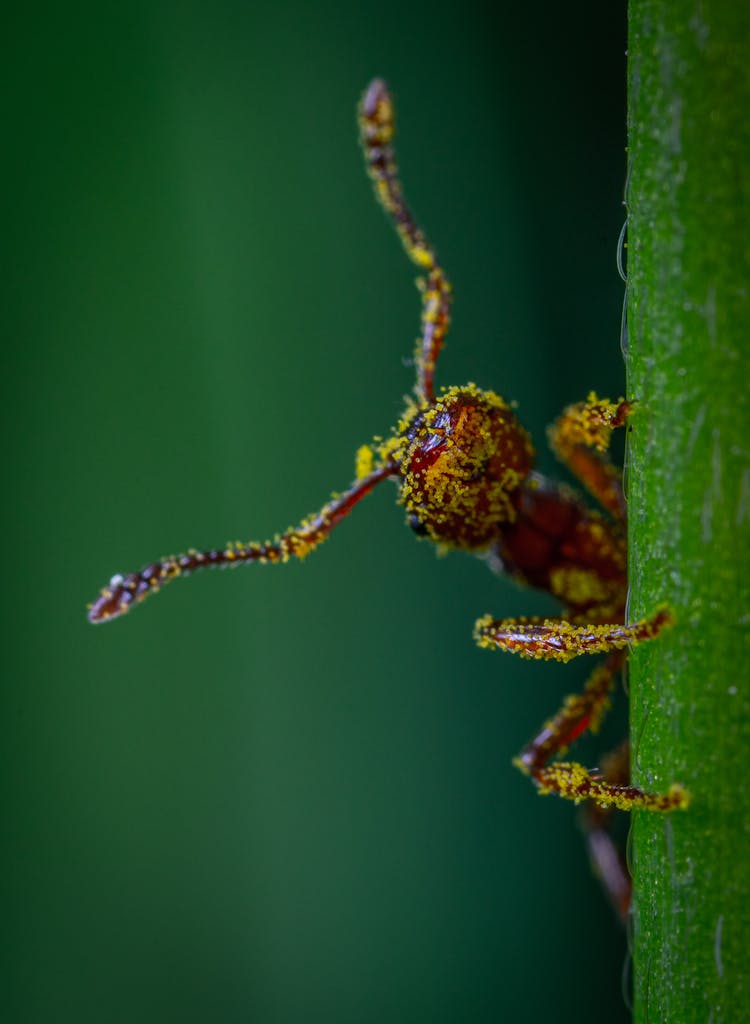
x=571, y=780
x=561, y=640
x=579, y=713
x=607, y=860
x=123, y=592
x=580, y=438
x=376, y=128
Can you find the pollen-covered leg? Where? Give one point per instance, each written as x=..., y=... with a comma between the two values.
x=580, y=438
x=579, y=713
x=377, y=128
x=571, y=780
x=122, y=592
x=560, y=640
x=574, y=782
x=605, y=854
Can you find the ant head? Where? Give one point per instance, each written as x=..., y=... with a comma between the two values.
x=461, y=460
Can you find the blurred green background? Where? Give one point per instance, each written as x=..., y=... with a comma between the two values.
x=285, y=795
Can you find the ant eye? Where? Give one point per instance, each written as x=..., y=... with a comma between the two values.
x=416, y=524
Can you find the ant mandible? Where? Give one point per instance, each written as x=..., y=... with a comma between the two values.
x=463, y=464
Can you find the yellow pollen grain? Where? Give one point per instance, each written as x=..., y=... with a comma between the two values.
x=422, y=256
x=364, y=462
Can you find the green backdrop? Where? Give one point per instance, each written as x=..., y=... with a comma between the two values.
x=285, y=795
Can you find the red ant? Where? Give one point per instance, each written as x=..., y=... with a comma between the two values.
x=463, y=464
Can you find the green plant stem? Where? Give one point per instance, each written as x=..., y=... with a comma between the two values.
x=688, y=360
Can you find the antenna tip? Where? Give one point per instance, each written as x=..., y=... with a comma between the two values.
x=375, y=93
x=115, y=599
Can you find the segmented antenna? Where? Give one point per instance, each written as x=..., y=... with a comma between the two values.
x=376, y=128
x=376, y=120
x=123, y=592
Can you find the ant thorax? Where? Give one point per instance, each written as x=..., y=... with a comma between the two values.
x=462, y=460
